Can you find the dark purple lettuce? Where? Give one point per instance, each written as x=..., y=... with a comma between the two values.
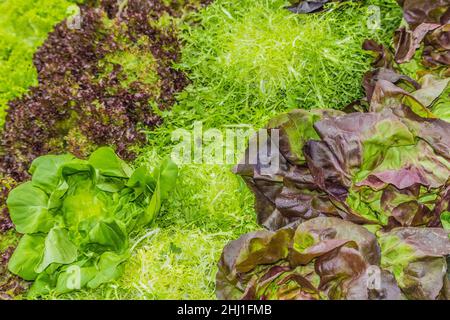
x=10, y=285
x=86, y=97
x=328, y=258
x=428, y=28
x=389, y=166
x=308, y=6
x=6, y=185
x=290, y=194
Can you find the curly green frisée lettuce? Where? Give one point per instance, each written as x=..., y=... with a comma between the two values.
x=76, y=217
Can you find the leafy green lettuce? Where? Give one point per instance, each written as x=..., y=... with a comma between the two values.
x=77, y=215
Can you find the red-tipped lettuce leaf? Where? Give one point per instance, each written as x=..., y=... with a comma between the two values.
x=338, y=257
x=417, y=258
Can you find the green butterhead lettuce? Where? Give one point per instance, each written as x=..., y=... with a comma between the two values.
x=77, y=216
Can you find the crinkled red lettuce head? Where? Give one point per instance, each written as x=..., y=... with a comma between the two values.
x=390, y=166
x=329, y=258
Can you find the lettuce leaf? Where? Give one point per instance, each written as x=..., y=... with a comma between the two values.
x=417, y=258
x=291, y=193
x=330, y=258
x=388, y=167
x=428, y=27
x=77, y=216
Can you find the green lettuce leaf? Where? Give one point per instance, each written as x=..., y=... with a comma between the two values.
x=165, y=176
x=111, y=234
x=27, y=256
x=445, y=220
x=109, y=164
x=441, y=107
x=28, y=207
x=77, y=216
x=109, y=267
x=57, y=249
x=46, y=171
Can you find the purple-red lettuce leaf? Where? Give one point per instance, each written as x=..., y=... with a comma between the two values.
x=290, y=194
x=324, y=258
x=387, y=167
x=428, y=26
x=305, y=6
x=393, y=164
x=436, y=52
x=408, y=41
x=416, y=12
x=417, y=258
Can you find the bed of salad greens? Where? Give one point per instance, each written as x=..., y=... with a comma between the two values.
x=93, y=206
